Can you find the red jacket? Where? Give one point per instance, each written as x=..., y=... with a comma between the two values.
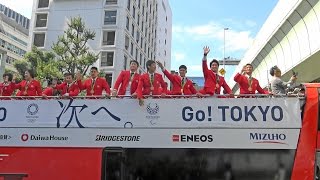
x=100, y=85
x=48, y=91
x=7, y=89
x=222, y=83
x=124, y=79
x=188, y=88
x=33, y=88
x=209, y=79
x=243, y=82
x=73, y=89
x=144, y=85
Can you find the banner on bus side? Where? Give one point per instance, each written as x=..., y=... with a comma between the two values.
x=156, y=113
x=151, y=138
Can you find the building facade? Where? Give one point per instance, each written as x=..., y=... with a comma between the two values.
x=125, y=29
x=14, y=36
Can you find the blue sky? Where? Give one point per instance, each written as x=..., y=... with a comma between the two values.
x=199, y=23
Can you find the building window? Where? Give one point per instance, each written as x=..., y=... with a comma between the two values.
x=128, y=5
x=140, y=60
x=141, y=43
x=108, y=37
x=125, y=62
x=13, y=15
x=138, y=19
x=107, y=58
x=142, y=10
x=110, y=17
x=126, y=43
x=138, y=36
x=132, y=31
x=43, y=3
x=41, y=20
x=137, y=54
x=38, y=39
x=131, y=51
x=127, y=23
x=134, y=12
x=109, y=78
x=111, y=1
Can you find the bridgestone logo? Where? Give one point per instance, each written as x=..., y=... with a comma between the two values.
x=117, y=138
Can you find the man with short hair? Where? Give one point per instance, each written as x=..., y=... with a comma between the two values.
x=248, y=84
x=213, y=82
x=127, y=81
x=181, y=84
x=68, y=88
x=94, y=85
x=277, y=85
x=150, y=83
x=51, y=89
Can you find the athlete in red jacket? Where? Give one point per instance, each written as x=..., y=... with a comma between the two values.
x=94, y=85
x=127, y=81
x=181, y=84
x=151, y=83
x=248, y=84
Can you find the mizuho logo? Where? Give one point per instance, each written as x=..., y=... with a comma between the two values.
x=33, y=109
x=153, y=108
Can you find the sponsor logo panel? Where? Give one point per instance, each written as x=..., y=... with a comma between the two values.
x=100, y=137
x=268, y=138
x=192, y=138
x=37, y=137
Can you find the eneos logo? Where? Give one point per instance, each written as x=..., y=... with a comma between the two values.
x=192, y=138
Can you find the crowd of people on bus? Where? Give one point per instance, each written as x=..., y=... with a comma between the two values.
x=151, y=83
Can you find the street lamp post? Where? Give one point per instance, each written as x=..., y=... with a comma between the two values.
x=224, y=47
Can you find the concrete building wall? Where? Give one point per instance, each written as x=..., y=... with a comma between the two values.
x=137, y=24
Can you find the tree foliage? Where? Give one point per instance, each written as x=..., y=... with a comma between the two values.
x=72, y=50
x=43, y=63
x=21, y=66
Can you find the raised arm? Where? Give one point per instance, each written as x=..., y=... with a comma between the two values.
x=118, y=81
x=79, y=81
x=238, y=77
x=205, y=69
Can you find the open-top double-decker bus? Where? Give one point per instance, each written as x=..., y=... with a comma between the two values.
x=262, y=138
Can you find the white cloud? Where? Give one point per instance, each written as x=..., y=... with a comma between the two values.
x=178, y=56
x=23, y=7
x=213, y=32
x=250, y=23
x=194, y=68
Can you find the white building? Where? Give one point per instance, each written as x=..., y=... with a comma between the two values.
x=13, y=37
x=125, y=29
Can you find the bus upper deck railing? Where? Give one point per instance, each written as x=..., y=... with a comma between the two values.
x=300, y=96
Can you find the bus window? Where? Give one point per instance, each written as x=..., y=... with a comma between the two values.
x=112, y=167
x=200, y=164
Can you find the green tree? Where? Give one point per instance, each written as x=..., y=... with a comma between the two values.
x=6, y=70
x=72, y=49
x=21, y=66
x=43, y=63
